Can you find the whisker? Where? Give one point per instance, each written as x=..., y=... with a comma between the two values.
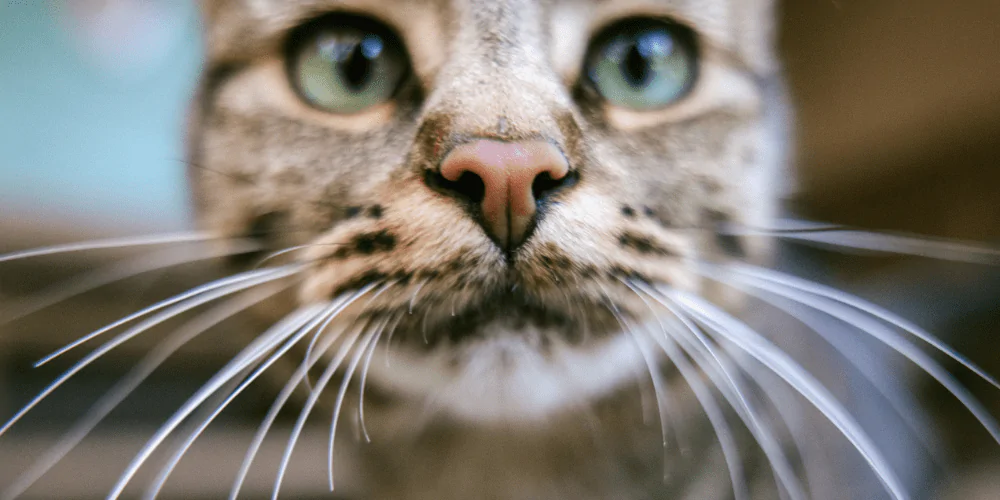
x=194, y=425
x=662, y=396
x=331, y=311
x=300, y=423
x=275, y=409
x=370, y=339
x=720, y=373
x=652, y=372
x=364, y=378
x=708, y=403
x=252, y=353
x=272, y=275
x=888, y=388
x=889, y=338
x=681, y=441
x=423, y=328
x=312, y=343
x=130, y=382
x=878, y=242
x=296, y=248
x=111, y=274
x=868, y=307
x=751, y=342
x=788, y=411
x=413, y=297
x=252, y=276
x=127, y=242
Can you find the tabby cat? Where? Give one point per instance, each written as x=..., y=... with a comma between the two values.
x=519, y=235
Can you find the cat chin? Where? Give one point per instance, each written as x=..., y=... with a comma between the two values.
x=509, y=378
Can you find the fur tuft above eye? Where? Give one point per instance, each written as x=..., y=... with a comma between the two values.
x=643, y=63
x=345, y=63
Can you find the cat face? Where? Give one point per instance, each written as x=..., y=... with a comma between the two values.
x=498, y=169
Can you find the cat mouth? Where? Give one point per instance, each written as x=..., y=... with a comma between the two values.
x=500, y=314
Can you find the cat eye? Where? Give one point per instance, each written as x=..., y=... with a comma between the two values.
x=346, y=64
x=643, y=64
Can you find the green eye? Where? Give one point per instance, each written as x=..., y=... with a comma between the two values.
x=643, y=64
x=345, y=64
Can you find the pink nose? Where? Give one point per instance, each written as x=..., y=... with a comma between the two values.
x=513, y=174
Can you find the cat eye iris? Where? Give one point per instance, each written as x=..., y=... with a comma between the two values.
x=345, y=64
x=643, y=64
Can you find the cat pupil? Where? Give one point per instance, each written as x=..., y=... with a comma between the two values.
x=635, y=67
x=356, y=67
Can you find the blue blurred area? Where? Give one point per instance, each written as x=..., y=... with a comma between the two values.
x=92, y=110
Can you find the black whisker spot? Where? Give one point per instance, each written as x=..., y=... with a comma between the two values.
x=643, y=244
x=370, y=243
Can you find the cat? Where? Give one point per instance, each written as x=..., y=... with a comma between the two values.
x=518, y=228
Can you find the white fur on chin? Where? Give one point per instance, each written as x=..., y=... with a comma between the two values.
x=505, y=378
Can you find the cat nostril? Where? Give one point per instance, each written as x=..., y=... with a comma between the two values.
x=545, y=185
x=506, y=180
x=469, y=186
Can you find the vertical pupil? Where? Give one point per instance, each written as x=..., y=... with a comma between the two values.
x=635, y=67
x=355, y=67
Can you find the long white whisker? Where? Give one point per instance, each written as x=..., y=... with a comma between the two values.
x=720, y=372
x=136, y=241
x=413, y=298
x=785, y=476
x=868, y=307
x=703, y=353
x=111, y=274
x=319, y=332
x=138, y=329
x=364, y=379
x=644, y=398
x=715, y=415
x=662, y=397
x=936, y=248
x=252, y=276
x=130, y=382
x=329, y=312
x=257, y=349
x=278, y=404
x=321, y=384
x=888, y=337
x=782, y=402
x=887, y=387
x=211, y=407
x=359, y=352
x=279, y=253
x=721, y=375
x=672, y=415
x=312, y=342
x=751, y=342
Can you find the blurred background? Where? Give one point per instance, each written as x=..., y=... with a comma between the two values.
x=898, y=108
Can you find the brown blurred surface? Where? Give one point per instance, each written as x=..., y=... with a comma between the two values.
x=898, y=106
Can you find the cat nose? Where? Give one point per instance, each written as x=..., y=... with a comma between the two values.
x=507, y=179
